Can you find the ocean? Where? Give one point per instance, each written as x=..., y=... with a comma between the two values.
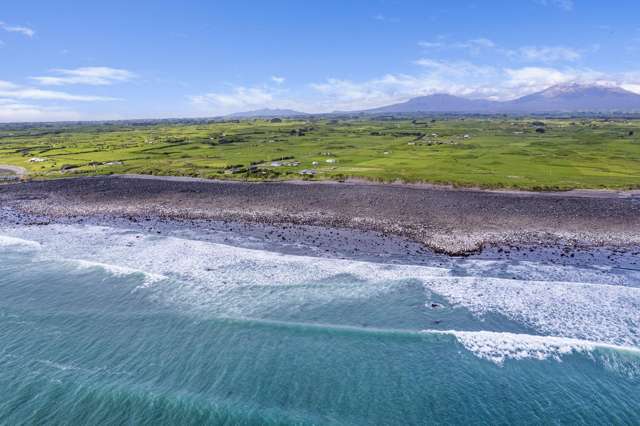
x=107, y=325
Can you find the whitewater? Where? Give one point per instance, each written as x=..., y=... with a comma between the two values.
x=104, y=324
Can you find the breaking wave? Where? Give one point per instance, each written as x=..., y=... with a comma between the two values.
x=7, y=241
x=497, y=347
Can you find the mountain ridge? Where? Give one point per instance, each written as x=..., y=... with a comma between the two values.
x=571, y=97
x=560, y=98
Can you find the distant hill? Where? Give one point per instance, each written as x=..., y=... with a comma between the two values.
x=267, y=113
x=577, y=98
x=438, y=103
x=561, y=98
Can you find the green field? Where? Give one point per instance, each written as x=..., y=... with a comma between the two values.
x=490, y=153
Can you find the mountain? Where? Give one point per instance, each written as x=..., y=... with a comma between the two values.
x=560, y=98
x=267, y=113
x=438, y=103
x=577, y=98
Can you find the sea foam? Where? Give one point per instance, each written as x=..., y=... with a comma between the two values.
x=116, y=270
x=497, y=347
x=603, y=313
x=543, y=271
x=8, y=241
x=234, y=281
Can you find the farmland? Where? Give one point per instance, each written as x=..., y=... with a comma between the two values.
x=518, y=153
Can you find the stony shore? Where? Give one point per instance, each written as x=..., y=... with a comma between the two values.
x=444, y=220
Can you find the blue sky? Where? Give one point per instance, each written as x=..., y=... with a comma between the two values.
x=83, y=60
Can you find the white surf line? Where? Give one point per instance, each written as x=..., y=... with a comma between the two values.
x=7, y=241
x=499, y=346
x=605, y=313
x=596, y=312
x=549, y=272
x=115, y=270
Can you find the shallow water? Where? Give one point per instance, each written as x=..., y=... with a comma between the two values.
x=103, y=325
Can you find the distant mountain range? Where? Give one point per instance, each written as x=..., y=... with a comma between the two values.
x=267, y=113
x=440, y=102
x=577, y=98
x=563, y=98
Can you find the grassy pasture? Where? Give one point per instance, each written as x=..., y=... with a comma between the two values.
x=497, y=153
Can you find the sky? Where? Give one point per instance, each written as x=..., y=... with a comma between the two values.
x=90, y=60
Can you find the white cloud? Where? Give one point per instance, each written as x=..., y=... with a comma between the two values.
x=7, y=85
x=562, y=4
x=25, y=31
x=476, y=44
x=473, y=45
x=632, y=87
x=278, y=80
x=530, y=79
x=243, y=98
x=457, y=68
x=14, y=111
x=38, y=94
x=337, y=94
x=458, y=78
x=345, y=95
x=239, y=97
x=431, y=44
x=522, y=81
x=382, y=18
x=14, y=91
x=547, y=54
x=482, y=42
x=544, y=54
x=94, y=76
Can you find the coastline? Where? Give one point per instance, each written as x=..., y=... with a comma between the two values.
x=374, y=221
x=144, y=264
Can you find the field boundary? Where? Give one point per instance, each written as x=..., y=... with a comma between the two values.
x=580, y=193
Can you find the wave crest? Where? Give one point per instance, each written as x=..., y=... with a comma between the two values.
x=7, y=241
x=117, y=270
x=497, y=347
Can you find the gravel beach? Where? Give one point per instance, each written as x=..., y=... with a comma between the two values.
x=416, y=218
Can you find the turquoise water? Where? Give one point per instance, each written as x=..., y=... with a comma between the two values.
x=108, y=326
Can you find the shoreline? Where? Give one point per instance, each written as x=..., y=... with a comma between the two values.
x=338, y=243
x=418, y=220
